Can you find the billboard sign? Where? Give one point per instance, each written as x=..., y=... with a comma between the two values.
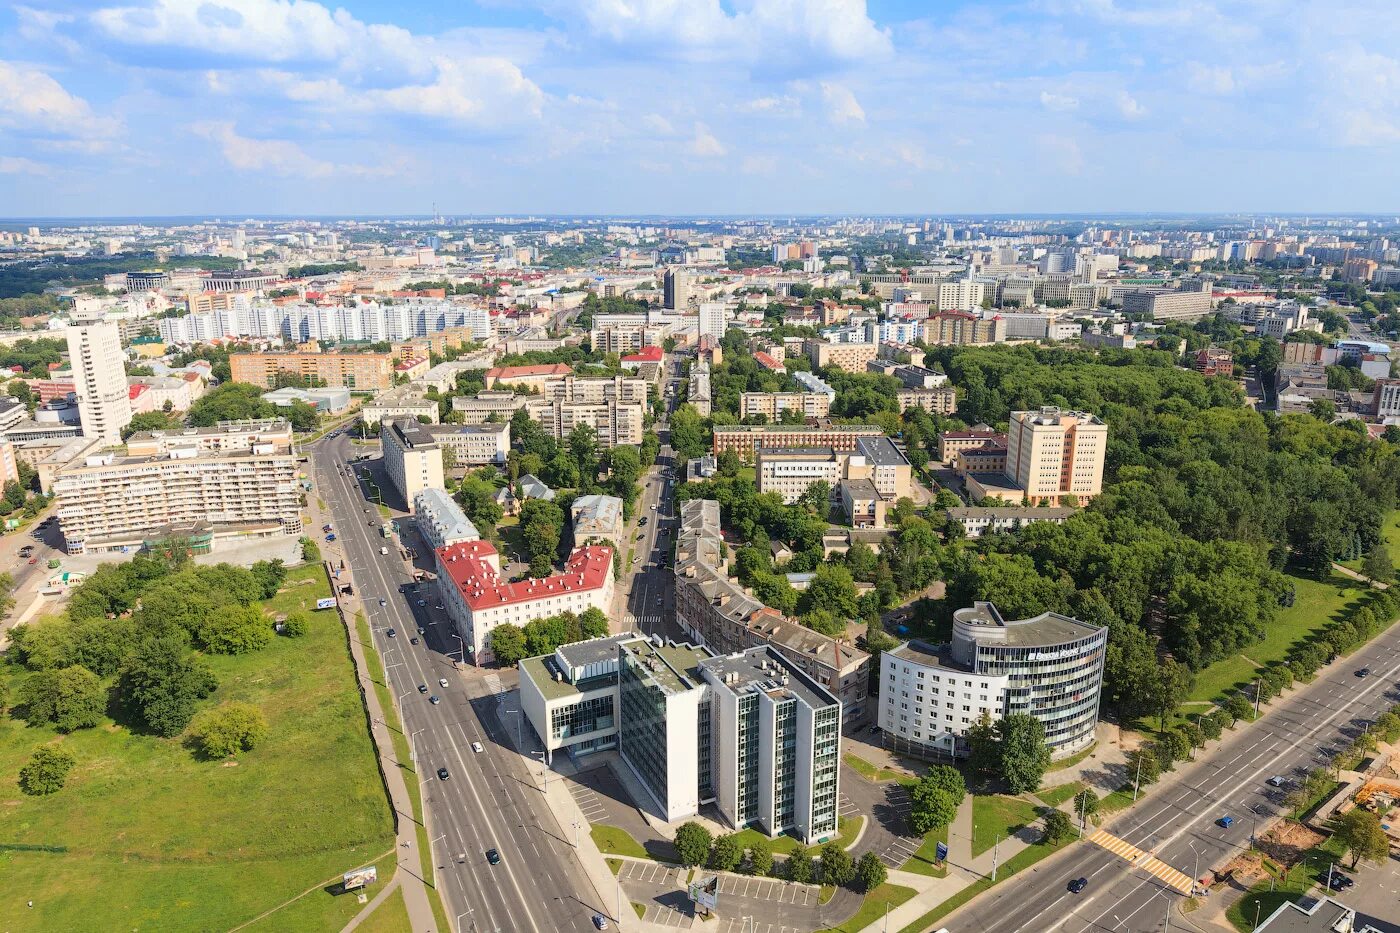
x=705, y=892
x=940, y=851
x=354, y=880
x=326, y=603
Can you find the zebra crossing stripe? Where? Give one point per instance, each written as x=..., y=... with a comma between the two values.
x=1144, y=860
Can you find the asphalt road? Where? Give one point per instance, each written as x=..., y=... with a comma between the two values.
x=1177, y=823
x=490, y=799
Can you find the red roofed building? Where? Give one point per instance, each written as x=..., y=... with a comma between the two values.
x=477, y=599
x=534, y=376
x=767, y=362
x=644, y=355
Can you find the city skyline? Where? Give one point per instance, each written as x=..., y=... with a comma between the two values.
x=835, y=107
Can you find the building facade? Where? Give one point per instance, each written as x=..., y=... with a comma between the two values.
x=1052, y=453
x=99, y=379
x=441, y=520
x=745, y=439
x=358, y=372
x=772, y=404
x=1049, y=667
x=412, y=458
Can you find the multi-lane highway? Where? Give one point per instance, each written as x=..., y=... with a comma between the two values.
x=1178, y=821
x=489, y=800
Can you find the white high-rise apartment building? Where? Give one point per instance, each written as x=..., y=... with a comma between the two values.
x=99, y=379
x=1052, y=453
x=714, y=319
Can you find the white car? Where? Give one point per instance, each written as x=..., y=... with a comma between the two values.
x=476, y=747
x=442, y=681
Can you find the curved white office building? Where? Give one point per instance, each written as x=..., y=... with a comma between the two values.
x=1049, y=666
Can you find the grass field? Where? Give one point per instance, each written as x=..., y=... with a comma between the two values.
x=1390, y=533
x=870, y=772
x=846, y=830
x=886, y=896
x=1054, y=796
x=611, y=840
x=997, y=816
x=149, y=837
x=389, y=917
x=923, y=862
x=1317, y=603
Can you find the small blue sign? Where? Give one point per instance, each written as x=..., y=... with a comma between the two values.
x=940, y=851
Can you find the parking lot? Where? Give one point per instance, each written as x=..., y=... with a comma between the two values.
x=589, y=803
x=747, y=925
x=769, y=889
x=901, y=846
x=652, y=873
x=771, y=904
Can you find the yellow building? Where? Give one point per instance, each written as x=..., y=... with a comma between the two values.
x=1052, y=453
x=358, y=372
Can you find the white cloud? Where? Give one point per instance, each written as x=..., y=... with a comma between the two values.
x=761, y=33
x=1209, y=79
x=273, y=156
x=311, y=54
x=33, y=102
x=705, y=145
x=771, y=104
x=658, y=124
x=759, y=165
x=842, y=106
x=1060, y=102
x=18, y=165
x=1129, y=107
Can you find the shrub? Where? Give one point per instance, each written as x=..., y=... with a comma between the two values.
x=228, y=729
x=47, y=771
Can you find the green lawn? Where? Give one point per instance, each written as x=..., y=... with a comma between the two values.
x=873, y=907
x=1017, y=863
x=870, y=772
x=1317, y=604
x=1122, y=797
x=1390, y=533
x=389, y=917
x=847, y=828
x=998, y=816
x=923, y=862
x=611, y=840
x=146, y=836
x=1072, y=760
x=1054, y=796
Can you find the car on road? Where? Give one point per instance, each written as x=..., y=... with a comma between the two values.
x=493, y=856
x=1276, y=781
x=442, y=774
x=653, y=508
x=1078, y=884
x=435, y=699
x=1225, y=822
x=442, y=681
x=366, y=511
x=392, y=634
x=413, y=640
x=1364, y=672
x=600, y=921
x=383, y=551
x=381, y=602
x=642, y=521
x=476, y=747
x=422, y=688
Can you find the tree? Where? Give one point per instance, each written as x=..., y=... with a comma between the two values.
x=235, y=630
x=46, y=771
x=1086, y=803
x=760, y=858
x=1360, y=834
x=69, y=698
x=1058, y=828
x=1237, y=707
x=1191, y=731
x=1024, y=755
x=310, y=551
x=726, y=853
x=296, y=625
x=1170, y=687
x=1143, y=766
x=507, y=643
x=270, y=575
x=1323, y=409
x=1177, y=743
x=161, y=685
x=984, y=751
x=228, y=729
x=1377, y=566
x=870, y=872
x=935, y=799
x=837, y=866
x=593, y=623
x=692, y=844
x=831, y=589
x=798, y=866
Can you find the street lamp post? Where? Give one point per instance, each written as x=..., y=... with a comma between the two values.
x=1137, y=780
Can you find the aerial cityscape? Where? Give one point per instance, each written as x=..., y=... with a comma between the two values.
x=765, y=467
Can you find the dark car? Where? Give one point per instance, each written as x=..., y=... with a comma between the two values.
x=1340, y=882
x=493, y=856
x=442, y=774
x=381, y=602
x=1364, y=672
x=435, y=699
x=1078, y=884
x=413, y=640
x=422, y=688
x=392, y=634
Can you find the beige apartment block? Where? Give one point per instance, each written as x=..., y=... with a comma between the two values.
x=412, y=458
x=1052, y=453
x=773, y=404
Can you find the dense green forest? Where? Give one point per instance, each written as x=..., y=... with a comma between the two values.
x=32, y=277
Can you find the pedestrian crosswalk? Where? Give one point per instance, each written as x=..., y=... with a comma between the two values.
x=1144, y=860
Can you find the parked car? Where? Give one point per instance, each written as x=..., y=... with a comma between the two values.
x=1078, y=884
x=434, y=699
x=1340, y=882
x=422, y=688
x=1276, y=781
x=476, y=747
x=493, y=856
x=1225, y=822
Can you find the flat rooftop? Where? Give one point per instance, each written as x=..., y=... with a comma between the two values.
x=764, y=670
x=674, y=668
x=1048, y=628
x=594, y=650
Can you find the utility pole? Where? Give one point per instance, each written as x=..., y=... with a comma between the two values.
x=995, y=846
x=1137, y=780
x=1256, y=697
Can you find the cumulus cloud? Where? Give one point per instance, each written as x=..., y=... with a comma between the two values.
x=18, y=165
x=1209, y=79
x=271, y=156
x=1129, y=107
x=32, y=102
x=705, y=145
x=760, y=33
x=841, y=104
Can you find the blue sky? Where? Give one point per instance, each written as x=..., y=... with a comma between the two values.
x=698, y=106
